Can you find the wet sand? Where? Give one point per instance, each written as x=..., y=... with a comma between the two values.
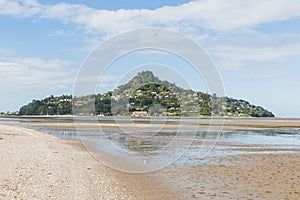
x=40, y=166
x=35, y=165
x=250, y=122
x=266, y=176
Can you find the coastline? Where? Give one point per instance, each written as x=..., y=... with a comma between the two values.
x=35, y=165
x=40, y=166
x=201, y=121
x=254, y=176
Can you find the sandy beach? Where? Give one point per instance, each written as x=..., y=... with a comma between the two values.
x=39, y=166
x=36, y=165
x=243, y=177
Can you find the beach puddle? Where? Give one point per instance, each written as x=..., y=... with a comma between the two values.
x=147, y=142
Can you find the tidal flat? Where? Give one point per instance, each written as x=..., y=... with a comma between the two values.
x=244, y=159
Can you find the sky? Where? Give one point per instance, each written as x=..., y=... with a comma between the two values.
x=254, y=44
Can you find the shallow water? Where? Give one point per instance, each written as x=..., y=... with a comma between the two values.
x=145, y=142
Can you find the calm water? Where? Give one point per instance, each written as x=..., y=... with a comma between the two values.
x=232, y=142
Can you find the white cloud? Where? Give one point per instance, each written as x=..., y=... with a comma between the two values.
x=37, y=63
x=221, y=15
x=20, y=8
x=236, y=56
x=35, y=74
x=38, y=76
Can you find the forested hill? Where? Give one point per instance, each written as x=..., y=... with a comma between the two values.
x=146, y=95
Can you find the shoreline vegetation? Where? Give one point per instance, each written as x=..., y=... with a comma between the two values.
x=67, y=170
x=145, y=95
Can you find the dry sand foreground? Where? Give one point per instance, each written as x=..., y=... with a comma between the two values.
x=38, y=166
x=34, y=165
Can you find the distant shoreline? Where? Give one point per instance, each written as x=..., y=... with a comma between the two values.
x=153, y=117
x=79, y=175
x=217, y=121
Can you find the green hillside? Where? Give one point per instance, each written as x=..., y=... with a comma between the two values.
x=146, y=95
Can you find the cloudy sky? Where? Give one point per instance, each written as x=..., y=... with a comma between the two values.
x=254, y=44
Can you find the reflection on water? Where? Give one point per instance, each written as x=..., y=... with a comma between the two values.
x=284, y=137
x=271, y=138
x=138, y=145
x=145, y=141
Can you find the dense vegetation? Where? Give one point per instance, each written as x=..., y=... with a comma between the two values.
x=146, y=95
x=49, y=106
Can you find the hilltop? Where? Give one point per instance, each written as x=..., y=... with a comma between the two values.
x=144, y=95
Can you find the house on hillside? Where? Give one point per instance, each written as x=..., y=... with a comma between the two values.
x=139, y=114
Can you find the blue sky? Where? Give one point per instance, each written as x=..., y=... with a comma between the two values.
x=254, y=44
